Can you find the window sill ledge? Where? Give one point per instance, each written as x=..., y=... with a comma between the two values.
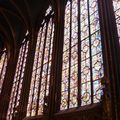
x=93, y=107
x=36, y=117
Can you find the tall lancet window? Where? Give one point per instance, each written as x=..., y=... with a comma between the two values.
x=3, y=65
x=18, y=79
x=116, y=5
x=39, y=89
x=82, y=68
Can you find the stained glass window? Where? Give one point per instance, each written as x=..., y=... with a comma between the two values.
x=3, y=64
x=39, y=89
x=82, y=51
x=18, y=79
x=116, y=5
x=69, y=84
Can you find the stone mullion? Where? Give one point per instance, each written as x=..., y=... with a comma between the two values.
x=114, y=61
x=115, y=45
x=52, y=80
x=110, y=61
x=55, y=83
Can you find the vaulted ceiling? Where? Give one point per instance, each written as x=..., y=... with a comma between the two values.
x=16, y=16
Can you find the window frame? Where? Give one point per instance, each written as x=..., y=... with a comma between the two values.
x=79, y=107
x=48, y=17
x=19, y=73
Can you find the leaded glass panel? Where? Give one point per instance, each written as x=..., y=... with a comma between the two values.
x=3, y=65
x=116, y=5
x=39, y=89
x=18, y=80
x=89, y=47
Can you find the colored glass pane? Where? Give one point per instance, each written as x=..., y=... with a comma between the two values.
x=3, y=65
x=91, y=60
x=116, y=5
x=17, y=83
x=39, y=89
